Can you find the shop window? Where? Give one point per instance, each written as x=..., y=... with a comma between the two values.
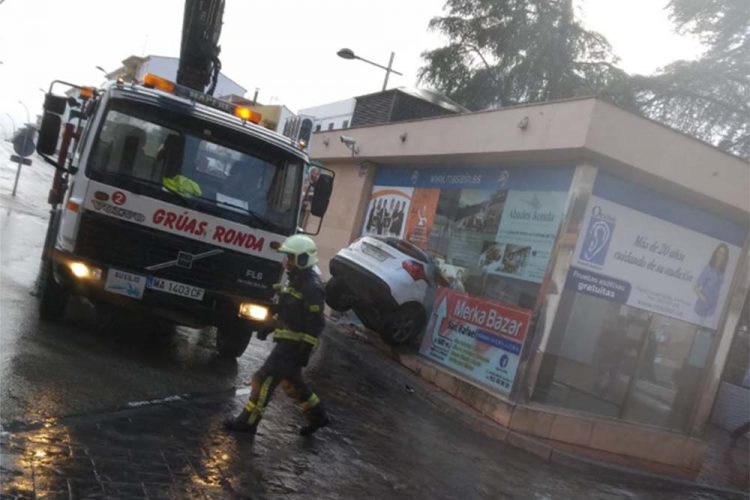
x=490, y=232
x=622, y=362
x=637, y=321
x=317, y=127
x=330, y=126
x=345, y=124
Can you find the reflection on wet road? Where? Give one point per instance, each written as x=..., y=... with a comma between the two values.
x=386, y=442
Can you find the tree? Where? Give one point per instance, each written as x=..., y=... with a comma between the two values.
x=502, y=53
x=708, y=98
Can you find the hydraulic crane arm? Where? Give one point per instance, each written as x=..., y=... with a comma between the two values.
x=199, y=53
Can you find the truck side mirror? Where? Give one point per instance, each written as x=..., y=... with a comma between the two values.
x=322, y=195
x=55, y=104
x=49, y=134
x=316, y=207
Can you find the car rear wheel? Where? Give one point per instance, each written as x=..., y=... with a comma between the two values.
x=337, y=295
x=232, y=339
x=404, y=324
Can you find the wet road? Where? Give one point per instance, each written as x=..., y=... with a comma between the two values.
x=73, y=427
x=52, y=370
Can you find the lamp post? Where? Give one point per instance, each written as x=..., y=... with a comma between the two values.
x=349, y=54
x=13, y=122
x=28, y=116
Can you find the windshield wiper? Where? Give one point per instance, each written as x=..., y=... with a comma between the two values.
x=252, y=215
x=147, y=182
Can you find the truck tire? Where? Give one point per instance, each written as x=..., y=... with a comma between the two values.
x=53, y=297
x=404, y=324
x=336, y=292
x=232, y=339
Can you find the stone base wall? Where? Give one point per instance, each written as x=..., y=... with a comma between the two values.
x=603, y=436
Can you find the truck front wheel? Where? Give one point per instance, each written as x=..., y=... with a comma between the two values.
x=53, y=297
x=232, y=339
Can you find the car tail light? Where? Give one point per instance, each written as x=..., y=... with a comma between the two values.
x=415, y=270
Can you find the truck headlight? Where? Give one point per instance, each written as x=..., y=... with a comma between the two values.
x=83, y=271
x=253, y=311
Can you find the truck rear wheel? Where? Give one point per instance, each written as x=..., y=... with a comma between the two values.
x=232, y=339
x=53, y=297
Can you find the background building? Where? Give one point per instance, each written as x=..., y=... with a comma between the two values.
x=331, y=116
x=135, y=67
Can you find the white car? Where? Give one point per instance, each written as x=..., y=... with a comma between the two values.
x=386, y=282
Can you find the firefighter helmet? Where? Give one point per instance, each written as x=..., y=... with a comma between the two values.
x=302, y=248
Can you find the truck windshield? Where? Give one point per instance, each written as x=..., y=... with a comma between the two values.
x=218, y=170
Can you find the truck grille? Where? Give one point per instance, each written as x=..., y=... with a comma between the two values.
x=129, y=246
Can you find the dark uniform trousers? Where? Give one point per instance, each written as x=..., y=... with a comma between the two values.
x=300, y=314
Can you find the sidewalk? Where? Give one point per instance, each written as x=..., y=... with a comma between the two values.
x=725, y=468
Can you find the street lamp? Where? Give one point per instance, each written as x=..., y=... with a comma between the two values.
x=28, y=116
x=349, y=54
x=12, y=121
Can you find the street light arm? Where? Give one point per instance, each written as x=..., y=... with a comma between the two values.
x=378, y=65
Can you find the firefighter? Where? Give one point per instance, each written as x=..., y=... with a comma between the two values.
x=297, y=325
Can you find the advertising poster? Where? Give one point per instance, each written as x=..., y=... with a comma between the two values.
x=421, y=216
x=639, y=259
x=387, y=211
x=478, y=338
x=526, y=235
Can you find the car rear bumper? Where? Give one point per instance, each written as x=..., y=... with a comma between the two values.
x=364, y=285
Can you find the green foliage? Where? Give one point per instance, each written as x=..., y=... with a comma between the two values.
x=501, y=53
x=708, y=98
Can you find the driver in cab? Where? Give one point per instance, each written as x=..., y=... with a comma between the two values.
x=170, y=156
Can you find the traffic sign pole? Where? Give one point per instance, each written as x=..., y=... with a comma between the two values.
x=23, y=144
x=18, y=174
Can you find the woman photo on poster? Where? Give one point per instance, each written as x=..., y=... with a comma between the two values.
x=708, y=285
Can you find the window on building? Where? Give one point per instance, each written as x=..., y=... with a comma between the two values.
x=345, y=124
x=317, y=127
x=490, y=233
x=637, y=320
x=330, y=126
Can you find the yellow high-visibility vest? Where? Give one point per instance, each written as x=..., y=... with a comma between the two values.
x=182, y=185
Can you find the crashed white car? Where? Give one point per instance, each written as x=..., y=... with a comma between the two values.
x=386, y=282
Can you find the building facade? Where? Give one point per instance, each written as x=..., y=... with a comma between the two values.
x=330, y=116
x=135, y=67
x=601, y=263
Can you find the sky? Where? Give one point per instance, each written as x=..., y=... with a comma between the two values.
x=285, y=48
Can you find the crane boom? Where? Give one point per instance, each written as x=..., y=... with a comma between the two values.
x=199, y=64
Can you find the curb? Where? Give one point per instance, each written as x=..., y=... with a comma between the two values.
x=456, y=409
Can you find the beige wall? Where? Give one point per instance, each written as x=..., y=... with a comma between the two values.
x=580, y=131
x=670, y=155
x=567, y=131
x=351, y=190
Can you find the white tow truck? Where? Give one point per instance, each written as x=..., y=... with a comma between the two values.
x=168, y=202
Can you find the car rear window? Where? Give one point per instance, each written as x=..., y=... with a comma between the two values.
x=405, y=247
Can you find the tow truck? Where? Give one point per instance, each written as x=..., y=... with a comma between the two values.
x=167, y=201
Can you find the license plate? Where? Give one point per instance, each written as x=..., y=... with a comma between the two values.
x=374, y=252
x=127, y=284
x=175, y=288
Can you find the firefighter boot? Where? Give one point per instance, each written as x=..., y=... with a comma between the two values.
x=242, y=422
x=316, y=418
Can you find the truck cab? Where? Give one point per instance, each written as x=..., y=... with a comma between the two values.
x=169, y=202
